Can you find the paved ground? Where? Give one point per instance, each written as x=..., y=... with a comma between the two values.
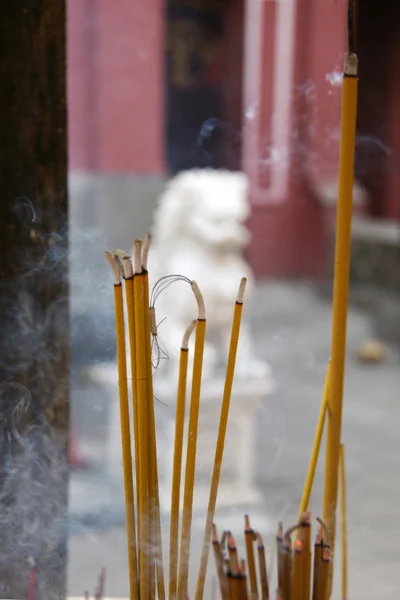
x=292, y=330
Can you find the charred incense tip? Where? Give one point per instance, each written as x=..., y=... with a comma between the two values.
x=306, y=518
x=231, y=542
x=137, y=256
x=186, y=336
x=153, y=322
x=247, y=523
x=127, y=266
x=326, y=554
x=260, y=543
x=145, y=251
x=241, y=291
x=200, y=301
x=114, y=267
x=350, y=64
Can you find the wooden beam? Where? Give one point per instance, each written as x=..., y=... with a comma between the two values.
x=34, y=367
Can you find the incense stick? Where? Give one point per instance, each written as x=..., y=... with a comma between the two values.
x=249, y=538
x=343, y=522
x=262, y=567
x=183, y=572
x=155, y=556
x=142, y=400
x=177, y=463
x=125, y=425
x=305, y=500
x=341, y=281
x=219, y=449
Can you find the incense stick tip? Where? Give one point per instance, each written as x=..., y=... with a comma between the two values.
x=242, y=287
x=145, y=250
x=186, y=336
x=200, y=301
x=114, y=266
x=350, y=64
x=137, y=256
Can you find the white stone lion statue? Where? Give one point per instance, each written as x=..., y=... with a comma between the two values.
x=199, y=231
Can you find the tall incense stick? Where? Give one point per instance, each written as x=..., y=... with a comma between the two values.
x=183, y=573
x=125, y=426
x=341, y=281
x=219, y=449
x=142, y=399
x=177, y=463
x=155, y=556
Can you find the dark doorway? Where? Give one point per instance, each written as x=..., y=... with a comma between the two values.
x=377, y=28
x=204, y=84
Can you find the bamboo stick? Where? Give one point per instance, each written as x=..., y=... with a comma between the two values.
x=219, y=450
x=125, y=426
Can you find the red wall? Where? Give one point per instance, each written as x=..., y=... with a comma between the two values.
x=289, y=237
x=115, y=85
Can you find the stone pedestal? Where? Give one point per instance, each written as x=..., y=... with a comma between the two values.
x=237, y=490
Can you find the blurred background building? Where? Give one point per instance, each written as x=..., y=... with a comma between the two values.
x=155, y=88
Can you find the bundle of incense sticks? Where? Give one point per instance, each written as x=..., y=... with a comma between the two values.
x=299, y=572
x=131, y=288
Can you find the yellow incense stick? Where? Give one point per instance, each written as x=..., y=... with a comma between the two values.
x=219, y=450
x=177, y=463
x=340, y=288
x=297, y=572
x=155, y=557
x=128, y=275
x=262, y=567
x=305, y=500
x=125, y=427
x=142, y=398
x=183, y=572
x=249, y=539
x=343, y=521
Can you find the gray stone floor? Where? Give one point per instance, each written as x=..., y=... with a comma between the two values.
x=291, y=326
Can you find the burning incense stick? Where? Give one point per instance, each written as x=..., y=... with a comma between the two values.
x=341, y=279
x=192, y=444
x=219, y=450
x=343, y=521
x=125, y=426
x=177, y=464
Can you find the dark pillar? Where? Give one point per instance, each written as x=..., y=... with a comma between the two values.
x=33, y=298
